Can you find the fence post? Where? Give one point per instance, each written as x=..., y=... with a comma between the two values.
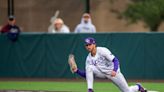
x=10, y=7
x=87, y=6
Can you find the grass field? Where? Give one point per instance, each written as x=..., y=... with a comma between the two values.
x=70, y=86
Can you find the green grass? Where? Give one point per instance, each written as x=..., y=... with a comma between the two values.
x=70, y=86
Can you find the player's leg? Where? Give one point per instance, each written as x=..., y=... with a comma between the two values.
x=122, y=84
x=141, y=88
x=89, y=77
x=91, y=72
x=138, y=86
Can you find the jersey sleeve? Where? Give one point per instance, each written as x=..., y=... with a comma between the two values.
x=107, y=54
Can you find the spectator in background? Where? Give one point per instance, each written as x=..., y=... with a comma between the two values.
x=11, y=29
x=86, y=25
x=59, y=27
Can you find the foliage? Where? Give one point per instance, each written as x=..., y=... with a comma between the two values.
x=149, y=11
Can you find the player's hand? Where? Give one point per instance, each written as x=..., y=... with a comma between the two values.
x=113, y=73
x=74, y=69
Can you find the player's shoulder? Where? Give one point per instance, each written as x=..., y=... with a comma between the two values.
x=102, y=49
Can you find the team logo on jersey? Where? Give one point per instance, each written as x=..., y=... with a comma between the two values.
x=97, y=61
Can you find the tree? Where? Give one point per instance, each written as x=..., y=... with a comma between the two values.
x=149, y=11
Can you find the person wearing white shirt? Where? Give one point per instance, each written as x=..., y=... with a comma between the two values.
x=86, y=25
x=59, y=27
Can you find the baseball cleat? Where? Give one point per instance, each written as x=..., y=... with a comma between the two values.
x=141, y=88
x=90, y=90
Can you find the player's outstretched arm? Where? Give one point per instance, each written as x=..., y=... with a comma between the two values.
x=81, y=73
x=116, y=66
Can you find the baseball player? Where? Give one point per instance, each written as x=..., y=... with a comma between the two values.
x=101, y=63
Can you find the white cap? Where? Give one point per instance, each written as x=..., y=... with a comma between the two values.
x=86, y=15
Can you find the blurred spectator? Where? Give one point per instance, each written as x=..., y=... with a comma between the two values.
x=86, y=25
x=59, y=27
x=11, y=29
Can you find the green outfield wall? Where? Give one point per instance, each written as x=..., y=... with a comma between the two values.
x=42, y=55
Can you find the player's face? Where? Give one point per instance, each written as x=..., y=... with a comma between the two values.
x=90, y=47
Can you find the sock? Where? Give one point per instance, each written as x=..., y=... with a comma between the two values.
x=139, y=87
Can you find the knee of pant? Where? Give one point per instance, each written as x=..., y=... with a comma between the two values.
x=89, y=69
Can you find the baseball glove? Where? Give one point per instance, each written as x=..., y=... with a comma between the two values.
x=72, y=63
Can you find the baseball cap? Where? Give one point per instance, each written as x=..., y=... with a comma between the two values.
x=89, y=40
x=86, y=15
